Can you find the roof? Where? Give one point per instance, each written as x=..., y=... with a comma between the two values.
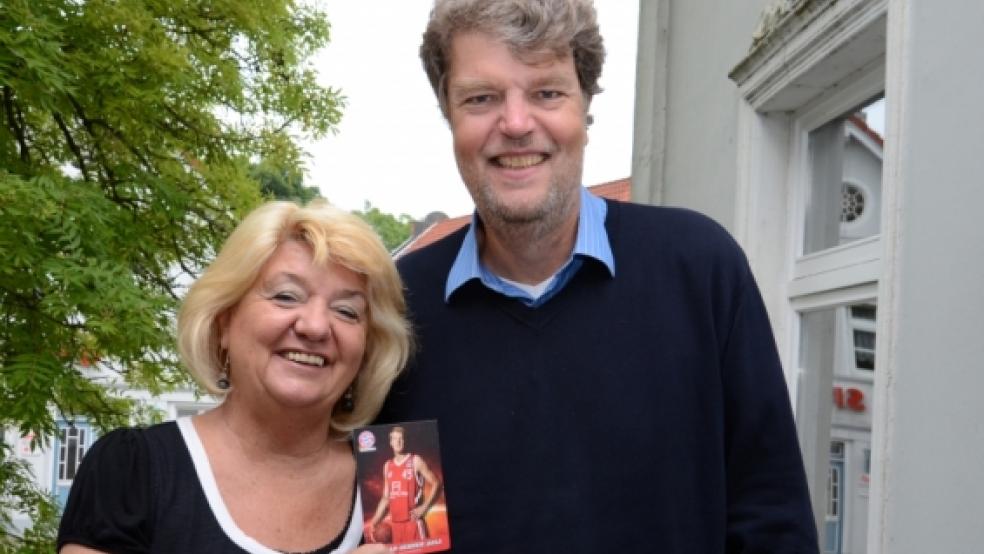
x=436, y=232
x=613, y=190
x=862, y=125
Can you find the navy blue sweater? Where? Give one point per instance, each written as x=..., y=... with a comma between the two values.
x=644, y=412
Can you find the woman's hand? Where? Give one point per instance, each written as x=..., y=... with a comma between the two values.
x=372, y=549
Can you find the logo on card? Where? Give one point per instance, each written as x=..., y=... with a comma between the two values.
x=367, y=442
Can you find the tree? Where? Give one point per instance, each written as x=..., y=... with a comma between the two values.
x=285, y=183
x=18, y=492
x=126, y=134
x=288, y=184
x=394, y=230
x=282, y=183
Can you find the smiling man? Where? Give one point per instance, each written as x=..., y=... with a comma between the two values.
x=603, y=374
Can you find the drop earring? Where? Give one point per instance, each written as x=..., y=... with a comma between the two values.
x=348, y=399
x=223, y=381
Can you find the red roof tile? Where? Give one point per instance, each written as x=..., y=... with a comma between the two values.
x=863, y=126
x=438, y=231
x=614, y=190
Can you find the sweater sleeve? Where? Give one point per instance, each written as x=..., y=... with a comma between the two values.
x=109, y=507
x=768, y=503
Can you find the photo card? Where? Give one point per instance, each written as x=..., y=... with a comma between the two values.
x=401, y=481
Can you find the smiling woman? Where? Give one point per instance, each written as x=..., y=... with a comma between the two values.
x=299, y=323
x=334, y=241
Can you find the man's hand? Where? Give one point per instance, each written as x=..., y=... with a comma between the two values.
x=418, y=512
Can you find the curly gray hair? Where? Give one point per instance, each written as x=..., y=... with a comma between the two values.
x=564, y=27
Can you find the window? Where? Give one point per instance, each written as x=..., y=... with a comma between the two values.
x=864, y=312
x=833, y=518
x=845, y=157
x=70, y=451
x=834, y=492
x=863, y=327
x=812, y=135
x=71, y=443
x=864, y=349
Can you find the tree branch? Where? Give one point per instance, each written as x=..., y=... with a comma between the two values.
x=72, y=146
x=90, y=123
x=15, y=126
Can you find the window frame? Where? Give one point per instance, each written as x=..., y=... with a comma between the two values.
x=797, y=78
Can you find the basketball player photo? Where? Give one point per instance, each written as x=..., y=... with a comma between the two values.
x=402, y=487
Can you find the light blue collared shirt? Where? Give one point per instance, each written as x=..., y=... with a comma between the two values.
x=591, y=242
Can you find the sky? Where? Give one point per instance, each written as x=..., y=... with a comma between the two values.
x=393, y=148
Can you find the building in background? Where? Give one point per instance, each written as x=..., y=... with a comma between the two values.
x=54, y=466
x=838, y=141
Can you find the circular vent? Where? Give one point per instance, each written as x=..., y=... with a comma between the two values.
x=852, y=203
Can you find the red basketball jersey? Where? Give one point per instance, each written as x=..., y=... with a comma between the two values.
x=405, y=488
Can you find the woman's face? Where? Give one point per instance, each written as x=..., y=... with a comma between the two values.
x=298, y=336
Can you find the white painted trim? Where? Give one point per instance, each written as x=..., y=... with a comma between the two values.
x=866, y=82
x=790, y=89
x=881, y=494
x=844, y=266
x=770, y=77
x=762, y=209
x=835, y=298
x=838, y=256
x=649, y=134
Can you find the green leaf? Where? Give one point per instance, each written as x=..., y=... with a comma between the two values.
x=126, y=135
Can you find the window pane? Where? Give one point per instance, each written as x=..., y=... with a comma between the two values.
x=834, y=411
x=863, y=311
x=844, y=199
x=863, y=335
x=71, y=449
x=72, y=462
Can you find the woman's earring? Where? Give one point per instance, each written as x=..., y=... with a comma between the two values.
x=348, y=399
x=223, y=381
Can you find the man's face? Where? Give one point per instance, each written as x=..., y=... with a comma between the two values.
x=396, y=442
x=519, y=130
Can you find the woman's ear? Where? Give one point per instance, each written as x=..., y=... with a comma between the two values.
x=223, y=321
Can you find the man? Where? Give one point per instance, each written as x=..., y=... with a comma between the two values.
x=403, y=490
x=603, y=374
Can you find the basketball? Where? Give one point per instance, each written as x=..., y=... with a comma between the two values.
x=383, y=533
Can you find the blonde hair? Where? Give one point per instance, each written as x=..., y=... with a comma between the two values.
x=333, y=236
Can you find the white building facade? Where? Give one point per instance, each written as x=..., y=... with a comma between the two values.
x=55, y=465
x=838, y=141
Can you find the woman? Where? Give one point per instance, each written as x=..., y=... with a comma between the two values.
x=299, y=323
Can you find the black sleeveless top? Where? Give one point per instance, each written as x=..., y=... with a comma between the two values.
x=151, y=490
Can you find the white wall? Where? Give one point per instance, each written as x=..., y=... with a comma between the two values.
x=696, y=162
x=930, y=436
x=926, y=491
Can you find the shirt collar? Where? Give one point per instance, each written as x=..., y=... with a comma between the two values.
x=591, y=242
